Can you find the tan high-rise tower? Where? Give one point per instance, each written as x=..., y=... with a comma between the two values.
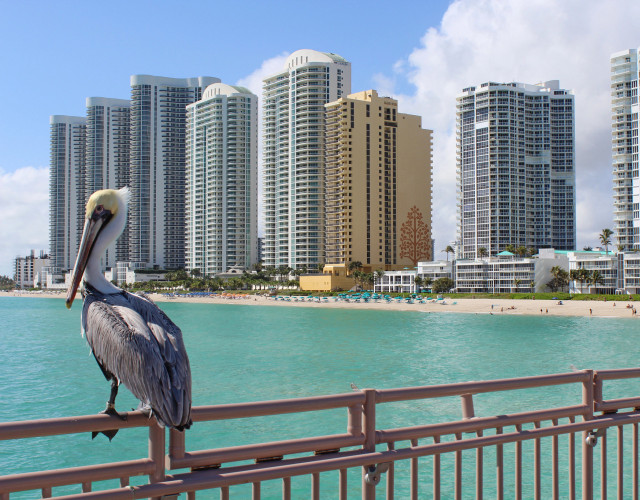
x=378, y=184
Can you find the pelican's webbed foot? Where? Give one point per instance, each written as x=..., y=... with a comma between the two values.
x=109, y=410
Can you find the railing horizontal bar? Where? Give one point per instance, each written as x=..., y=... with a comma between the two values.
x=617, y=404
x=276, y=407
x=216, y=478
x=436, y=391
x=75, y=475
x=202, y=458
x=72, y=425
x=620, y=373
x=475, y=424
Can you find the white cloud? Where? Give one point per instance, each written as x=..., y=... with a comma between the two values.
x=24, y=208
x=269, y=67
x=525, y=41
x=254, y=83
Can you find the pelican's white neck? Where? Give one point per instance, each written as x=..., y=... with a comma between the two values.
x=110, y=232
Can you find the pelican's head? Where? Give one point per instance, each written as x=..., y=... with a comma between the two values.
x=102, y=207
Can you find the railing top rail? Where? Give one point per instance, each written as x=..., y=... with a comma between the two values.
x=72, y=425
x=476, y=424
x=477, y=387
x=276, y=407
x=620, y=373
x=100, y=422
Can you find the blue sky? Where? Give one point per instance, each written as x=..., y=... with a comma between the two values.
x=55, y=54
x=58, y=53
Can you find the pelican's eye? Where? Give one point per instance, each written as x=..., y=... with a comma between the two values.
x=99, y=209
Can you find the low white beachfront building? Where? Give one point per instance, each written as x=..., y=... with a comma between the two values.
x=629, y=279
x=507, y=273
x=605, y=263
x=404, y=281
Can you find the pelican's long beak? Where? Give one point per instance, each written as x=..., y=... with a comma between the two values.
x=92, y=227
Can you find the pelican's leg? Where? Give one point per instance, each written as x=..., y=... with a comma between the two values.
x=111, y=404
x=111, y=410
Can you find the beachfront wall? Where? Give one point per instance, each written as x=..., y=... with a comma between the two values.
x=325, y=283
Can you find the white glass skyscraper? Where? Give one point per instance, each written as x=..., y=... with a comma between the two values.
x=66, y=188
x=624, y=148
x=515, y=167
x=107, y=159
x=157, y=175
x=222, y=180
x=294, y=130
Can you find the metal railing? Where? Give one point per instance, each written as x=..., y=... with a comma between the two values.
x=378, y=453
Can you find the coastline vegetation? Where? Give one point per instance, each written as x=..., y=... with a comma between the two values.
x=6, y=283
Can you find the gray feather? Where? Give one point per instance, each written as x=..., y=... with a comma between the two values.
x=135, y=342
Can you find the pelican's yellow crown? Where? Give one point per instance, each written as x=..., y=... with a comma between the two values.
x=105, y=197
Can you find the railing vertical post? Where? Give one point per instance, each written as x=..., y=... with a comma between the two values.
x=176, y=444
x=635, y=462
x=156, y=452
x=354, y=423
x=369, y=426
x=587, y=451
x=390, y=475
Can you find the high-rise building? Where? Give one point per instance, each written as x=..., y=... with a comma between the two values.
x=378, y=184
x=107, y=160
x=624, y=148
x=294, y=117
x=515, y=168
x=222, y=180
x=68, y=144
x=157, y=175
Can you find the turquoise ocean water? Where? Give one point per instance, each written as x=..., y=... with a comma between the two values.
x=244, y=353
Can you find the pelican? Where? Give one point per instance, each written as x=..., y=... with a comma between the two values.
x=132, y=340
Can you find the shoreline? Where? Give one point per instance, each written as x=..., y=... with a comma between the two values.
x=530, y=307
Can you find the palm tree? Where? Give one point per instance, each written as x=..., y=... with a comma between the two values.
x=596, y=279
x=605, y=239
x=449, y=250
x=354, y=265
x=516, y=284
x=379, y=274
x=418, y=281
x=510, y=248
x=358, y=277
x=581, y=275
x=482, y=252
x=368, y=279
x=427, y=281
x=522, y=251
x=559, y=279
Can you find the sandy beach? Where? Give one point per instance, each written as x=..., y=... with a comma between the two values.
x=601, y=309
